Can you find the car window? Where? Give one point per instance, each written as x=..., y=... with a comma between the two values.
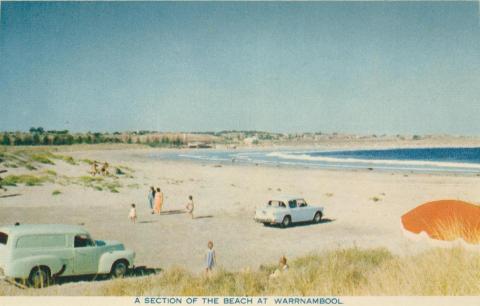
x=275, y=203
x=82, y=241
x=41, y=241
x=3, y=238
x=292, y=204
x=301, y=203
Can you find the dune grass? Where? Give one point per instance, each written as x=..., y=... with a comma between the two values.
x=26, y=179
x=343, y=272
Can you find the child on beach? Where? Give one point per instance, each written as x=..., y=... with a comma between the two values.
x=133, y=214
x=190, y=206
x=210, y=257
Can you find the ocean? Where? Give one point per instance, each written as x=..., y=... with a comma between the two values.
x=448, y=159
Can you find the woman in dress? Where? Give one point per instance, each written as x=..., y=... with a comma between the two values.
x=158, y=201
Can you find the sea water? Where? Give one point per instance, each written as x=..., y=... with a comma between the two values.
x=448, y=159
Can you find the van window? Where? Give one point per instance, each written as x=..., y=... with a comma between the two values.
x=292, y=204
x=82, y=241
x=41, y=241
x=3, y=238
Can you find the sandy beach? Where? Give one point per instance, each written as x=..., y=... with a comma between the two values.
x=362, y=208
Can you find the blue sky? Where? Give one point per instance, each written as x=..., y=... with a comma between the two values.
x=357, y=67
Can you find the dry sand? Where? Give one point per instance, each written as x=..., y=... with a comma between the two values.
x=225, y=200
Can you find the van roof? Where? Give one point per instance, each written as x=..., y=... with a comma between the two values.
x=23, y=229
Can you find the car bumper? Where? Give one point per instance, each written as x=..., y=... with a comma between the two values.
x=265, y=220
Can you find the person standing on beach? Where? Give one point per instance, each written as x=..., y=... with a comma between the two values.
x=210, y=257
x=190, y=206
x=151, y=198
x=133, y=214
x=158, y=201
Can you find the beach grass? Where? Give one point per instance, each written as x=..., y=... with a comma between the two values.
x=26, y=179
x=344, y=272
x=351, y=271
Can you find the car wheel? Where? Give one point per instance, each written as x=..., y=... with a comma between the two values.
x=318, y=217
x=39, y=277
x=286, y=221
x=119, y=269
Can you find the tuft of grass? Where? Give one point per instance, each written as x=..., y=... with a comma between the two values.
x=87, y=161
x=51, y=172
x=26, y=179
x=56, y=192
x=375, y=199
x=68, y=159
x=454, y=228
x=43, y=158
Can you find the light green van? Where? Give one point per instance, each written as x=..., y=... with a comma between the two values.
x=40, y=253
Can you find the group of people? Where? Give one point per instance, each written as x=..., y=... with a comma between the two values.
x=102, y=171
x=155, y=202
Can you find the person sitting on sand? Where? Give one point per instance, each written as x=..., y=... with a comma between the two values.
x=190, y=206
x=158, y=201
x=282, y=267
x=104, y=169
x=210, y=257
x=133, y=214
x=94, y=168
x=151, y=198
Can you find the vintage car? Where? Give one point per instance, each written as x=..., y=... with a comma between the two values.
x=39, y=253
x=286, y=210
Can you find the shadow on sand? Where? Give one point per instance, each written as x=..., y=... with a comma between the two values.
x=300, y=224
x=173, y=212
x=10, y=195
x=203, y=217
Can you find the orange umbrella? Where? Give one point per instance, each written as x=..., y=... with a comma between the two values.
x=445, y=220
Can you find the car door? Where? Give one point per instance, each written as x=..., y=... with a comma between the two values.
x=292, y=206
x=304, y=212
x=86, y=255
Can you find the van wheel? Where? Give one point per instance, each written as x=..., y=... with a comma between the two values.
x=119, y=269
x=286, y=221
x=318, y=217
x=39, y=277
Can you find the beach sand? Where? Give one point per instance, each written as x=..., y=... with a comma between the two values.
x=362, y=208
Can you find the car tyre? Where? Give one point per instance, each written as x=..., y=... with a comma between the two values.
x=286, y=222
x=318, y=217
x=39, y=277
x=119, y=269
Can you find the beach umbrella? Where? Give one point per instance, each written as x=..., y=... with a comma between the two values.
x=444, y=222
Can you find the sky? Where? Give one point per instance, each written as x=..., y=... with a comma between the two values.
x=349, y=67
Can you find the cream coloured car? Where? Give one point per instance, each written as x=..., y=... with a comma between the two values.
x=285, y=210
x=40, y=253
